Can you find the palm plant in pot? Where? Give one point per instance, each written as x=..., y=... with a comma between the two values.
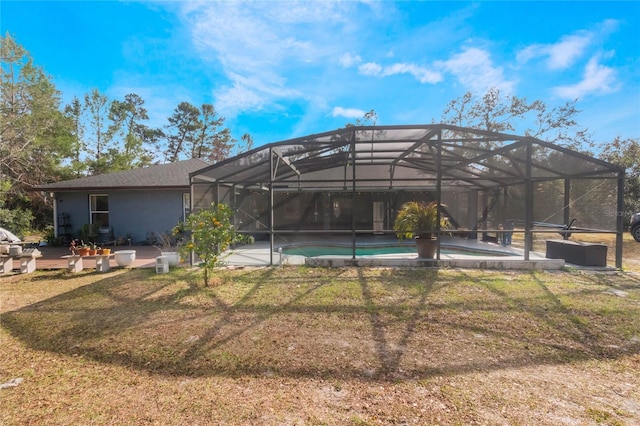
x=420, y=220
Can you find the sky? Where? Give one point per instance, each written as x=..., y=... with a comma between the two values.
x=279, y=70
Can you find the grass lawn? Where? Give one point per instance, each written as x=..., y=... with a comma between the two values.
x=307, y=346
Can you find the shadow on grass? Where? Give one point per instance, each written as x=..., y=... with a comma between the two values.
x=334, y=323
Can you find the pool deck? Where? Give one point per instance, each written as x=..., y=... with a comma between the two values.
x=494, y=256
x=486, y=256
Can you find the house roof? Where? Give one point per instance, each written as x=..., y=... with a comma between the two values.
x=161, y=176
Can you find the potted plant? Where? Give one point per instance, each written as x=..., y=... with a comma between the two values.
x=93, y=249
x=168, y=243
x=419, y=220
x=103, y=251
x=83, y=249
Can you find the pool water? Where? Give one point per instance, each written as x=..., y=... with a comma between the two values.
x=325, y=250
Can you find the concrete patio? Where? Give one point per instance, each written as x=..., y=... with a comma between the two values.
x=497, y=257
x=259, y=255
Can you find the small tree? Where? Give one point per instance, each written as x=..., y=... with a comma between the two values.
x=211, y=234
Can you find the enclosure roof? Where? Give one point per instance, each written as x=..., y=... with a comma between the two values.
x=403, y=156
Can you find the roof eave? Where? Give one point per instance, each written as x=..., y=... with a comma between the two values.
x=109, y=188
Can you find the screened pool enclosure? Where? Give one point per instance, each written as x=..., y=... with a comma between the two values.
x=347, y=185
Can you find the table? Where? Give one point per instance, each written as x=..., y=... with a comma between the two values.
x=27, y=263
x=75, y=264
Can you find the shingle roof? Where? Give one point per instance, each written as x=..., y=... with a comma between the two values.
x=172, y=175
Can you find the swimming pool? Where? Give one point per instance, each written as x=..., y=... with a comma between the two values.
x=326, y=249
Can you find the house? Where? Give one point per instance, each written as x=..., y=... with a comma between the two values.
x=351, y=182
x=127, y=205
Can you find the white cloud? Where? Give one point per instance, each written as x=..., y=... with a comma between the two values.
x=423, y=75
x=347, y=60
x=348, y=112
x=370, y=69
x=256, y=45
x=560, y=55
x=569, y=49
x=251, y=93
x=597, y=79
x=239, y=97
x=475, y=70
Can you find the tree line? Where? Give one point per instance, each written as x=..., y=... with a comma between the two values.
x=559, y=125
x=497, y=112
x=43, y=141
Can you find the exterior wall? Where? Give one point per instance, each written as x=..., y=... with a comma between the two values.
x=132, y=214
x=76, y=204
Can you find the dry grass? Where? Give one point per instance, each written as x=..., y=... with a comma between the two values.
x=305, y=346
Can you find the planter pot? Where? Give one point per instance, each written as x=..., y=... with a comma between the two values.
x=83, y=251
x=426, y=248
x=93, y=252
x=173, y=258
x=125, y=257
x=104, y=251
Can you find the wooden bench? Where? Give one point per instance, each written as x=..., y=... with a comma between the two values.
x=75, y=263
x=578, y=253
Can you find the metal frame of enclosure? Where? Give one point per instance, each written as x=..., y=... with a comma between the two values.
x=352, y=181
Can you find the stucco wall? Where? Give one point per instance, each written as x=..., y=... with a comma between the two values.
x=130, y=212
x=76, y=204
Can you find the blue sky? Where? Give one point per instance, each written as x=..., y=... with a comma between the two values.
x=279, y=70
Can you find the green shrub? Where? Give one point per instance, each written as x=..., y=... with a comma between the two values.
x=16, y=221
x=211, y=234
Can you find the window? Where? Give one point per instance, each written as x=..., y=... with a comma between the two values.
x=99, y=210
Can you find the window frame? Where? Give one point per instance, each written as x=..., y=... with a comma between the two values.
x=93, y=212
